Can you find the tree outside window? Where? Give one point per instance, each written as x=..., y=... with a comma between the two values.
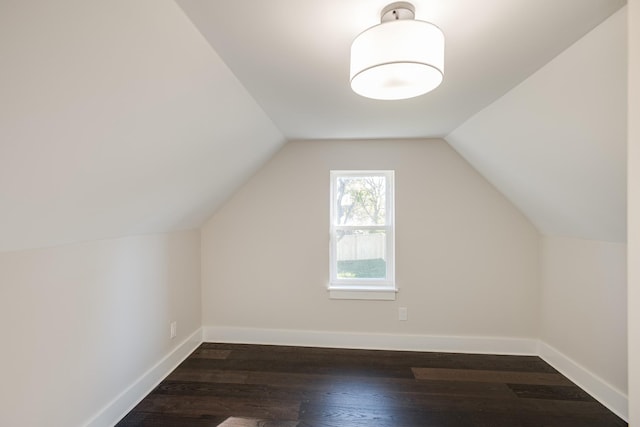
x=362, y=228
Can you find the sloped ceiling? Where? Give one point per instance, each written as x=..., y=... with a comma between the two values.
x=293, y=57
x=129, y=117
x=116, y=118
x=556, y=143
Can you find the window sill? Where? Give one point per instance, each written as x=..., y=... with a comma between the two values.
x=361, y=293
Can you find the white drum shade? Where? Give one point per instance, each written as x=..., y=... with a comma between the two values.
x=397, y=60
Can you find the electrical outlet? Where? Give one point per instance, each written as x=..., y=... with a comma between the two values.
x=402, y=313
x=173, y=329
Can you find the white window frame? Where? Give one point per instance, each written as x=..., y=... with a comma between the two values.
x=372, y=289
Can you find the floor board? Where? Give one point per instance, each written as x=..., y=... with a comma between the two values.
x=236, y=385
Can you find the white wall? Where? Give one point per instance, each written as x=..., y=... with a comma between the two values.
x=265, y=253
x=634, y=212
x=583, y=304
x=555, y=145
x=117, y=118
x=82, y=322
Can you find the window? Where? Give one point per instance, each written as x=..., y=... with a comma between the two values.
x=362, y=235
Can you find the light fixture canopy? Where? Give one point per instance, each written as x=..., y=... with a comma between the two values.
x=399, y=58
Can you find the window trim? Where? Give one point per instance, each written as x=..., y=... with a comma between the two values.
x=374, y=289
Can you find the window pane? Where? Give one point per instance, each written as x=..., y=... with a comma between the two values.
x=361, y=254
x=360, y=200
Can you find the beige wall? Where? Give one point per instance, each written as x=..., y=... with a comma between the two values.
x=466, y=259
x=583, y=304
x=81, y=322
x=634, y=212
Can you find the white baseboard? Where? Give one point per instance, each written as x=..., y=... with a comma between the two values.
x=606, y=394
x=115, y=410
x=609, y=396
x=454, y=344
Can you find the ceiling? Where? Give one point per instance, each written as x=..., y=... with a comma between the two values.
x=522, y=99
x=129, y=117
x=555, y=145
x=293, y=57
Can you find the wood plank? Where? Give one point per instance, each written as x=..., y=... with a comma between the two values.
x=210, y=353
x=554, y=392
x=200, y=406
x=490, y=376
x=208, y=375
x=143, y=419
x=298, y=365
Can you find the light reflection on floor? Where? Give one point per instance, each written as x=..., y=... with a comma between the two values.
x=250, y=422
x=343, y=398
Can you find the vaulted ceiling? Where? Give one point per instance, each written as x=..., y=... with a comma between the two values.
x=129, y=117
x=117, y=118
x=556, y=143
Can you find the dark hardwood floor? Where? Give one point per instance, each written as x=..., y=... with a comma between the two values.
x=234, y=385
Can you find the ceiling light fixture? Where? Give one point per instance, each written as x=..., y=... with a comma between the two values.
x=399, y=58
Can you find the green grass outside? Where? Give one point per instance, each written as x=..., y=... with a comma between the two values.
x=362, y=269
